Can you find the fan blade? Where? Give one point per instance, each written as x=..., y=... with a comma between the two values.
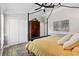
x=38, y=8
x=38, y=4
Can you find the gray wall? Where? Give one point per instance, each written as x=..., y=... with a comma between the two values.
x=0, y=27
x=63, y=14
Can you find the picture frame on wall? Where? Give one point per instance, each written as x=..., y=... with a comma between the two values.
x=62, y=25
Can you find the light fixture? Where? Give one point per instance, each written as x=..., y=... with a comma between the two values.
x=42, y=8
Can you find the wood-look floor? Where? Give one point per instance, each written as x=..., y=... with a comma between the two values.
x=16, y=50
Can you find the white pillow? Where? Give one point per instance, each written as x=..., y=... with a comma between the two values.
x=64, y=39
x=73, y=42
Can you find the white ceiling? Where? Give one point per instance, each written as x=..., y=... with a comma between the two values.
x=13, y=8
x=20, y=8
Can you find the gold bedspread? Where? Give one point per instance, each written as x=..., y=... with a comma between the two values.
x=48, y=47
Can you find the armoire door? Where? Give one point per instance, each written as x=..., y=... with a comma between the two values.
x=34, y=28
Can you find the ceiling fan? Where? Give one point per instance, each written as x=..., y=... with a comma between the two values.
x=43, y=6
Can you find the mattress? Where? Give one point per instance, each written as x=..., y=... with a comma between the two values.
x=48, y=47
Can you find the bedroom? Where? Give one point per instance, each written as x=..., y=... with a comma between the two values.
x=57, y=19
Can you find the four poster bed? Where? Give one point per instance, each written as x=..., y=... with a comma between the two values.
x=50, y=45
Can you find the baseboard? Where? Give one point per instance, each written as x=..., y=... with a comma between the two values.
x=6, y=46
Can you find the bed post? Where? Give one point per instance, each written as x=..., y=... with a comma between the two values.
x=47, y=26
x=28, y=29
x=28, y=25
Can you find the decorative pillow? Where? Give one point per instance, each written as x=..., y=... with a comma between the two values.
x=73, y=42
x=76, y=49
x=64, y=39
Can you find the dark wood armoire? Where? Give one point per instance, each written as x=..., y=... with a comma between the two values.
x=34, y=29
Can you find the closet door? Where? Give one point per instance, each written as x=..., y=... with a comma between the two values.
x=11, y=31
x=16, y=29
